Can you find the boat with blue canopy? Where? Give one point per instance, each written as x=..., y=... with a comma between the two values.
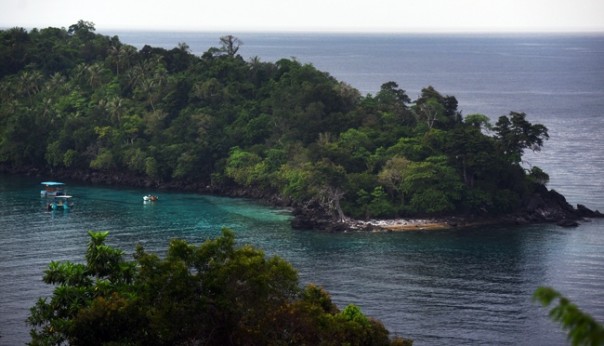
x=62, y=202
x=52, y=188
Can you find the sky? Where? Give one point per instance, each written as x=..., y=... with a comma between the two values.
x=311, y=15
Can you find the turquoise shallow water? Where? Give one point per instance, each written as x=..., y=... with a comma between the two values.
x=463, y=286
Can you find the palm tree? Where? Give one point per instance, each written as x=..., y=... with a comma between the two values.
x=30, y=82
x=95, y=73
x=120, y=56
x=56, y=82
x=115, y=108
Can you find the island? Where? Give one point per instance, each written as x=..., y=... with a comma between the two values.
x=79, y=105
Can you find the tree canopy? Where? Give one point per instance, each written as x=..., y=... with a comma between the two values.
x=216, y=293
x=72, y=100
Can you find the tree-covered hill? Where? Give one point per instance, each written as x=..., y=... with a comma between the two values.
x=72, y=100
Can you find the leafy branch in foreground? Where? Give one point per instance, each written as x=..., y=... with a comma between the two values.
x=216, y=293
x=582, y=328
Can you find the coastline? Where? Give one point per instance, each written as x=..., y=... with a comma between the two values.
x=545, y=206
x=443, y=224
x=407, y=224
x=424, y=224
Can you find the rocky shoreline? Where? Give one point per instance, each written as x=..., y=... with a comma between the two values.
x=544, y=206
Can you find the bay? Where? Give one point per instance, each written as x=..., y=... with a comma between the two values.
x=466, y=287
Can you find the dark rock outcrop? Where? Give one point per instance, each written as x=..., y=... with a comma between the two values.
x=313, y=216
x=548, y=206
x=568, y=223
x=583, y=211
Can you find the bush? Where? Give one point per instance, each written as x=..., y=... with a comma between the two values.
x=212, y=294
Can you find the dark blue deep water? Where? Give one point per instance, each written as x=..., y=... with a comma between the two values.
x=464, y=287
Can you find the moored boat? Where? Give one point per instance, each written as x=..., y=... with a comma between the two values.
x=52, y=188
x=150, y=198
x=62, y=202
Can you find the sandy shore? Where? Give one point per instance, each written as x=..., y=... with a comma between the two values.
x=399, y=225
x=402, y=224
x=421, y=226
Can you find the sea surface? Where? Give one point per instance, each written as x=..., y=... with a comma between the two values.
x=466, y=287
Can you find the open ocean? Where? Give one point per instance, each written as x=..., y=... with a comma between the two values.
x=464, y=287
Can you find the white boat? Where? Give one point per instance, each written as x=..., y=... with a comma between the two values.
x=62, y=202
x=150, y=198
x=52, y=188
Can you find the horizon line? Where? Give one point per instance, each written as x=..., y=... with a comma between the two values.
x=367, y=31
x=346, y=30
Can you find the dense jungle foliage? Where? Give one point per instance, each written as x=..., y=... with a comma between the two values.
x=71, y=99
x=216, y=293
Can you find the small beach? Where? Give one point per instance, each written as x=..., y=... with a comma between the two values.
x=400, y=225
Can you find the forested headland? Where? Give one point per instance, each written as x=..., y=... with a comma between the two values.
x=76, y=104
